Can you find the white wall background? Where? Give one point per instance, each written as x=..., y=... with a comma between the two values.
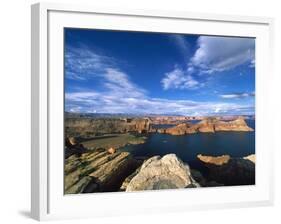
x=15, y=110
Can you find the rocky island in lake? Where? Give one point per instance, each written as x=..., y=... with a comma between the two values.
x=208, y=125
x=157, y=111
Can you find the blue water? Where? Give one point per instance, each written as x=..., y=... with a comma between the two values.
x=158, y=126
x=187, y=147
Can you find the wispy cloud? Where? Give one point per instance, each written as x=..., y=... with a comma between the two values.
x=218, y=54
x=118, y=82
x=82, y=63
x=237, y=95
x=116, y=94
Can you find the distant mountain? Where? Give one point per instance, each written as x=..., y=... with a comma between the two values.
x=111, y=115
x=134, y=115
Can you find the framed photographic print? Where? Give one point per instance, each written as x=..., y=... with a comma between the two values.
x=161, y=111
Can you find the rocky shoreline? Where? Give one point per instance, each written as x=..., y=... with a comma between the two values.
x=108, y=170
x=93, y=162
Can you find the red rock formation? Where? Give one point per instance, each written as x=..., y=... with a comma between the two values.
x=236, y=125
x=216, y=160
x=209, y=125
x=180, y=129
x=206, y=125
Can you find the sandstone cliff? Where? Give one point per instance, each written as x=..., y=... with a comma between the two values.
x=89, y=127
x=236, y=125
x=180, y=129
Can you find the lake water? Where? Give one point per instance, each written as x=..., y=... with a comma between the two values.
x=187, y=147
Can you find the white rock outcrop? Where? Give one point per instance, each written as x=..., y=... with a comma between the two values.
x=168, y=172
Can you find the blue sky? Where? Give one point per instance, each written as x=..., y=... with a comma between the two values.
x=157, y=73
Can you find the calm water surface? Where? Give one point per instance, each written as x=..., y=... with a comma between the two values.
x=187, y=147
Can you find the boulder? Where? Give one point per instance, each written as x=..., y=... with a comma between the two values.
x=72, y=140
x=168, y=172
x=111, y=150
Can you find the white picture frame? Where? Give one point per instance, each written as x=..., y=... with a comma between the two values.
x=48, y=201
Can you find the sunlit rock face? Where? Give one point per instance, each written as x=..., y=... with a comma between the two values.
x=209, y=125
x=251, y=157
x=236, y=125
x=180, y=129
x=168, y=172
x=97, y=171
x=215, y=160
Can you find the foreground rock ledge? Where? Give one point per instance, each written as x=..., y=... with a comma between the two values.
x=97, y=171
x=168, y=172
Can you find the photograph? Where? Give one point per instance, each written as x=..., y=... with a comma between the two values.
x=157, y=111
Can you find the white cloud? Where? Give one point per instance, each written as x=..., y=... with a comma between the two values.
x=217, y=54
x=107, y=102
x=214, y=54
x=179, y=79
x=74, y=76
x=217, y=110
x=121, y=95
x=76, y=96
x=237, y=95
